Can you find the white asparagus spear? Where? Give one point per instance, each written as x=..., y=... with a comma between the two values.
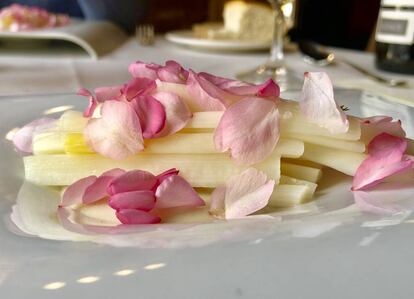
x=284, y=196
x=301, y=172
x=71, y=121
x=300, y=161
x=179, y=143
x=49, y=143
x=343, y=161
x=345, y=145
x=201, y=170
x=292, y=122
x=286, y=180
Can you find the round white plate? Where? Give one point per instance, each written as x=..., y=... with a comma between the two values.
x=325, y=250
x=186, y=38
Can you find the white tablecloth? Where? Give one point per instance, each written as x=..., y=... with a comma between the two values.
x=46, y=74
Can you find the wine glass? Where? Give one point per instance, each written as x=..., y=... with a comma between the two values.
x=274, y=68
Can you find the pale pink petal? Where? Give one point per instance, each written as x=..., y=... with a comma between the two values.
x=74, y=193
x=139, y=200
x=223, y=83
x=92, y=102
x=249, y=129
x=151, y=114
x=372, y=126
x=97, y=190
x=317, y=103
x=64, y=216
x=175, y=191
x=162, y=176
x=172, y=72
x=143, y=70
x=23, y=138
x=133, y=180
x=117, y=134
x=177, y=113
x=385, y=158
x=113, y=172
x=130, y=216
x=267, y=89
x=108, y=93
x=247, y=193
x=138, y=87
x=207, y=96
x=217, y=202
x=369, y=202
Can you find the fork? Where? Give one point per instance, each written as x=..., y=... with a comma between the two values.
x=145, y=34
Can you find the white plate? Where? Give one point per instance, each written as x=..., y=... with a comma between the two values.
x=186, y=38
x=95, y=37
x=326, y=250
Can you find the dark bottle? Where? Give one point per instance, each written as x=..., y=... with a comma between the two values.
x=395, y=36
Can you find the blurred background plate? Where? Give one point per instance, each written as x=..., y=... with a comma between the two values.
x=96, y=38
x=186, y=38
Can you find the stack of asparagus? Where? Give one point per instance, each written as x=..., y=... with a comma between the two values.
x=61, y=156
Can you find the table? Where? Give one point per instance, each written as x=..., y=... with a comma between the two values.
x=40, y=73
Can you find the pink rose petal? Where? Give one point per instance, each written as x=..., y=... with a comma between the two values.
x=224, y=83
x=162, y=176
x=23, y=138
x=130, y=216
x=138, y=87
x=143, y=70
x=175, y=191
x=177, y=113
x=133, y=180
x=117, y=134
x=386, y=157
x=318, y=104
x=207, y=96
x=92, y=101
x=108, y=93
x=142, y=200
x=172, y=72
x=242, y=195
x=74, y=193
x=372, y=126
x=267, y=89
x=151, y=114
x=113, y=172
x=97, y=190
x=249, y=129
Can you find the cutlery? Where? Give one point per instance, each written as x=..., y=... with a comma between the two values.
x=313, y=54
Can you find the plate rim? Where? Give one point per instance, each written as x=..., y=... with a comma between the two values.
x=182, y=37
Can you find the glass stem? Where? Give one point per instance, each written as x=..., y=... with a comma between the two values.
x=276, y=50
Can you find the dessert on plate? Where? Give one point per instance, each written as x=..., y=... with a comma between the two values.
x=18, y=17
x=242, y=21
x=172, y=142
